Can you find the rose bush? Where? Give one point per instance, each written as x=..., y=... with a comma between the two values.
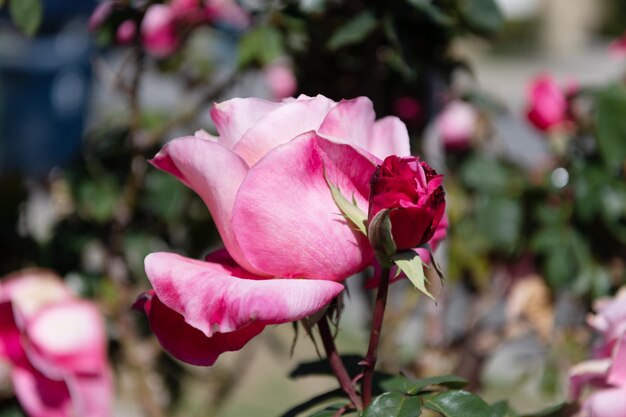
x=56, y=347
x=607, y=370
x=264, y=180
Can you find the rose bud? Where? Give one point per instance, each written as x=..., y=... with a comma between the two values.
x=412, y=193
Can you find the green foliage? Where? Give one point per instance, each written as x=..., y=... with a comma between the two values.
x=415, y=386
x=260, y=45
x=353, y=31
x=458, y=404
x=26, y=14
x=611, y=124
x=394, y=404
x=350, y=210
x=484, y=16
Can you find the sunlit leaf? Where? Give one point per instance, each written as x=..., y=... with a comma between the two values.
x=394, y=404
x=349, y=209
x=458, y=404
x=411, y=264
x=414, y=386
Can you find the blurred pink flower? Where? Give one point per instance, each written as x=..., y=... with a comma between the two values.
x=158, y=31
x=227, y=11
x=56, y=345
x=617, y=48
x=126, y=32
x=457, y=125
x=100, y=14
x=264, y=180
x=547, y=103
x=407, y=108
x=607, y=370
x=280, y=80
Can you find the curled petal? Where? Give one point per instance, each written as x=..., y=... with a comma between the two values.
x=389, y=137
x=215, y=173
x=188, y=344
x=617, y=373
x=299, y=231
x=219, y=298
x=282, y=125
x=590, y=372
x=350, y=121
x=234, y=117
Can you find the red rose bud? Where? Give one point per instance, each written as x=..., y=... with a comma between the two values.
x=413, y=193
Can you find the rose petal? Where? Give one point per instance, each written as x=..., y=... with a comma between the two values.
x=40, y=396
x=617, y=373
x=389, y=137
x=590, y=372
x=282, y=125
x=92, y=394
x=350, y=121
x=189, y=344
x=67, y=337
x=215, y=298
x=606, y=403
x=215, y=173
x=233, y=118
x=10, y=343
x=286, y=220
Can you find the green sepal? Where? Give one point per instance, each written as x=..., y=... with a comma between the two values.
x=411, y=264
x=379, y=234
x=350, y=210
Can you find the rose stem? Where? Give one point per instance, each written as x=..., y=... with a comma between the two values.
x=336, y=364
x=377, y=321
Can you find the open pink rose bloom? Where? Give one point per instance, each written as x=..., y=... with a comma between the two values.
x=55, y=346
x=607, y=370
x=264, y=180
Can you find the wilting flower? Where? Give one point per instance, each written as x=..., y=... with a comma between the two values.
x=607, y=370
x=265, y=182
x=413, y=193
x=457, y=125
x=56, y=346
x=547, y=103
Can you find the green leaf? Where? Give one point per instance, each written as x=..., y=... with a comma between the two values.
x=26, y=14
x=499, y=219
x=611, y=124
x=433, y=12
x=415, y=386
x=485, y=174
x=353, y=31
x=350, y=210
x=411, y=264
x=481, y=15
x=260, y=46
x=394, y=404
x=458, y=404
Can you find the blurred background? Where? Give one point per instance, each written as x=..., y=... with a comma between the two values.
x=520, y=103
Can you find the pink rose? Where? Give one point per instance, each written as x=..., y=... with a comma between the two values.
x=264, y=180
x=159, y=33
x=126, y=32
x=100, y=14
x=547, y=103
x=413, y=193
x=607, y=371
x=56, y=346
x=227, y=11
x=457, y=125
x=280, y=80
x=617, y=48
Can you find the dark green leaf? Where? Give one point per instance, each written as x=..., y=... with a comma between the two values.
x=458, y=404
x=611, y=124
x=260, y=46
x=98, y=199
x=353, y=31
x=26, y=14
x=414, y=386
x=433, y=12
x=483, y=16
x=394, y=404
x=560, y=410
x=321, y=367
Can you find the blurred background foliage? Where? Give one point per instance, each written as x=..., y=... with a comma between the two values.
x=537, y=228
